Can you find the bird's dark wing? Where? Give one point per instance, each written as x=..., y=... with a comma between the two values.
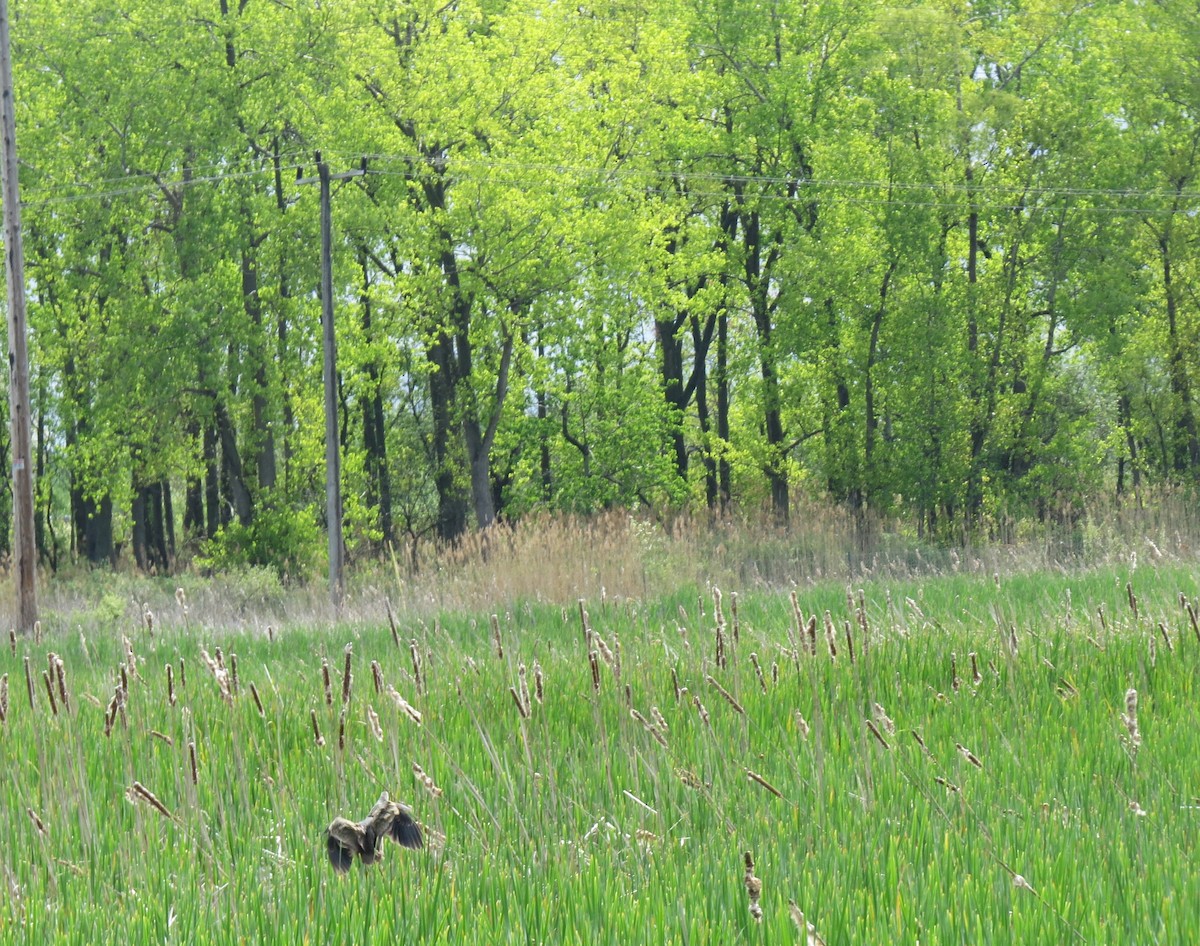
x=371, y=851
x=405, y=831
x=343, y=839
x=342, y=858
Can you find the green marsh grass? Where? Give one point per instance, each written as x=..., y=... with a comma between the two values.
x=621, y=814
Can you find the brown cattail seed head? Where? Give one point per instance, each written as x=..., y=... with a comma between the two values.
x=347, y=676
x=496, y=642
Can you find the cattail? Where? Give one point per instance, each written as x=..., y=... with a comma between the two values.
x=404, y=706
x=234, y=685
x=806, y=929
x=320, y=740
x=1153, y=645
x=1166, y=637
x=60, y=674
x=50, y=693
x=946, y=784
x=192, y=767
x=29, y=682
x=414, y=653
x=720, y=654
x=802, y=725
x=373, y=722
x=170, y=686
x=675, y=683
x=702, y=711
x=496, y=638
x=148, y=618
x=753, y=889
x=759, y=780
x=762, y=681
x=921, y=742
x=342, y=729
x=325, y=680
x=728, y=697
x=427, y=782
x=257, y=701
x=1103, y=622
x=650, y=728
x=830, y=636
x=270, y=634
x=616, y=664
x=162, y=737
x=849, y=641
x=1133, y=601
x=1129, y=717
x=3, y=697
x=124, y=678
x=954, y=681
x=12, y=640
x=110, y=713
x=1012, y=640
x=392, y=623
x=347, y=676
x=521, y=708
x=884, y=720
x=37, y=822
x=878, y=735
x=538, y=690
x=140, y=791
x=584, y=623
x=659, y=720
x=718, y=610
x=37, y=632
x=603, y=649
x=1191, y=612
x=976, y=676
x=595, y=663
x=523, y=685
x=182, y=674
x=733, y=613
x=968, y=755
x=220, y=658
x=812, y=635
x=377, y=676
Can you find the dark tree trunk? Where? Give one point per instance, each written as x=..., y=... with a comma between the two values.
x=212, y=482
x=231, y=467
x=379, y=487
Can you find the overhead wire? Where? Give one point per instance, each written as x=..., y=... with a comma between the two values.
x=657, y=180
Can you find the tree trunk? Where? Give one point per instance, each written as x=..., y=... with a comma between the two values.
x=231, y=467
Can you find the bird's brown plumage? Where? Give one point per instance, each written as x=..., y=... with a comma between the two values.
x=345, y=839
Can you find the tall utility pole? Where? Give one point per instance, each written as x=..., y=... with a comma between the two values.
x=333, y=456
x=18, y=352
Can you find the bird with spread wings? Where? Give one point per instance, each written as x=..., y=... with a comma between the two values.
x=388, y=819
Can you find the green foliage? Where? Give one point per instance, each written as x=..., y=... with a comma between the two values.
x=919, y=259
x=279, y=540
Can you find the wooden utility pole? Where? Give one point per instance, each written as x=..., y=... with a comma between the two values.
x=333, y=455
x=18, y=352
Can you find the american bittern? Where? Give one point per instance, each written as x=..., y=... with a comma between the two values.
x=388, y=819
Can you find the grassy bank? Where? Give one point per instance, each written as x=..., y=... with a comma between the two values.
x=617, y=806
